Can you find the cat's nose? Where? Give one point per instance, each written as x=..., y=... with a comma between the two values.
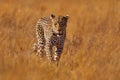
x=59, y=30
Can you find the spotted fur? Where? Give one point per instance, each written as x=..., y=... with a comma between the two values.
x=51, y=32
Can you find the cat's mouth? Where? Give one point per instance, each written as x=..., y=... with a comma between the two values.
x=59, y=33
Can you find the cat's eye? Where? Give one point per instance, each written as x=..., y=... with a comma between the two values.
x=55, y=24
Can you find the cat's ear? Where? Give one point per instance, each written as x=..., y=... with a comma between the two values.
x=67, y=16
x=52, y=16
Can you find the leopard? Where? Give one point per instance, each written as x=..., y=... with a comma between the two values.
x=51, y=32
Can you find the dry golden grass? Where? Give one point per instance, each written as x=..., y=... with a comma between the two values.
x=92, y=47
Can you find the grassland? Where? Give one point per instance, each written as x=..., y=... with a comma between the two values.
x=92, y=47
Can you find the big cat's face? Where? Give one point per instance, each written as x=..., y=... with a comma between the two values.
x=59, y=24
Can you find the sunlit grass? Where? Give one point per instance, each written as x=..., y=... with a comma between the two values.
x=91, y=50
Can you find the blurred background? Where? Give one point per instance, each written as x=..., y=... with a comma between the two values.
x=91, y=50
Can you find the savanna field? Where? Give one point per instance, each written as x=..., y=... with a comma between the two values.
x=92, y=46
